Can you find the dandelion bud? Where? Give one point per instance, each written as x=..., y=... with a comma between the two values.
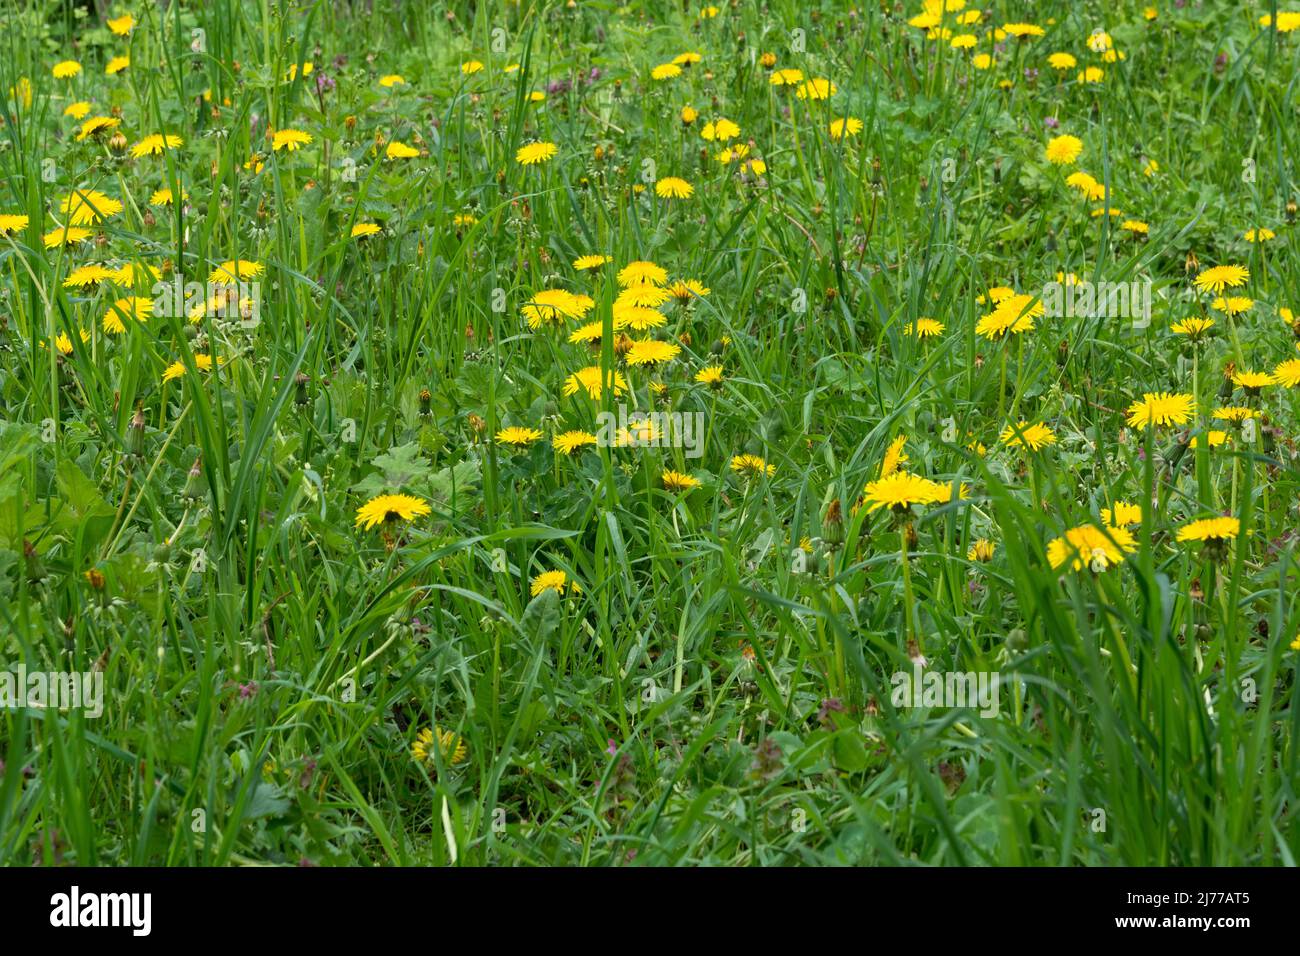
x=300, y=383
x=1290, y=212
x=426, y=402
x=117, y=144
x=135, y=434
x=34, y=566
x=1017, y=639
x=192, y=492
x=833, y=524
x=768, y=60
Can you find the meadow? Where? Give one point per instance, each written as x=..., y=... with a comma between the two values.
x=649, y=434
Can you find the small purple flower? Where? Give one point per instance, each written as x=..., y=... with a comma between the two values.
x=1051, y=122
x=612, y=748
x=324, y=83
x=247, y=690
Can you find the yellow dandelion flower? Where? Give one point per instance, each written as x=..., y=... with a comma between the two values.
x=591, y=381
x=751, y=466
x=518, y=437
x=1217, y=278
x=1088, y=546
x=1210, y=529
x=676, y=481
x=399, y=150
x=566, y=443
x=450, y=747
x=1160, y=408
x=1034, y=437
x=652, y=352
x=1063, y=150
x=289, y=140
x=672, y=187
x=534, y=153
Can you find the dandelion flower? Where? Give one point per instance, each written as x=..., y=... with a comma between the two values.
x=591, y=381
x=97, y=124
x=136, y=308
x=1123, y=515
x=1287, y=373
x=555, y=581
x=1217, y=278
x=1091, y=547
x=1194, y=327
x=1160, y=408
x=846, y=126
x=64, y=236
x=894, y=457
x=818, y=89
x=566, y=443
x=924, y=328
x=1063, y=150
x=720, y=130
x=449, y=746
x=518, y=437
x=711, y=376
x=676, y=481
x=156, y=144
x=642, y=271
x=235, y=269
x=1252, y=381
x=900, y=490
x=11, y=224
x=671, y=187
x=201, y=361
x=751, y=466
x=1034, y=436
x=1210, y=529
x=89, y=206
x=534, y=153
x=652, y=352
x=399, y=150
x=289, y=140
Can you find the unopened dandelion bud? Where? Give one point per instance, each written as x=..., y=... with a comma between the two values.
x=833, y=524
x=34, y=566
x=135, y=434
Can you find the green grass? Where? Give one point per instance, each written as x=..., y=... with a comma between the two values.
x=708, y=696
